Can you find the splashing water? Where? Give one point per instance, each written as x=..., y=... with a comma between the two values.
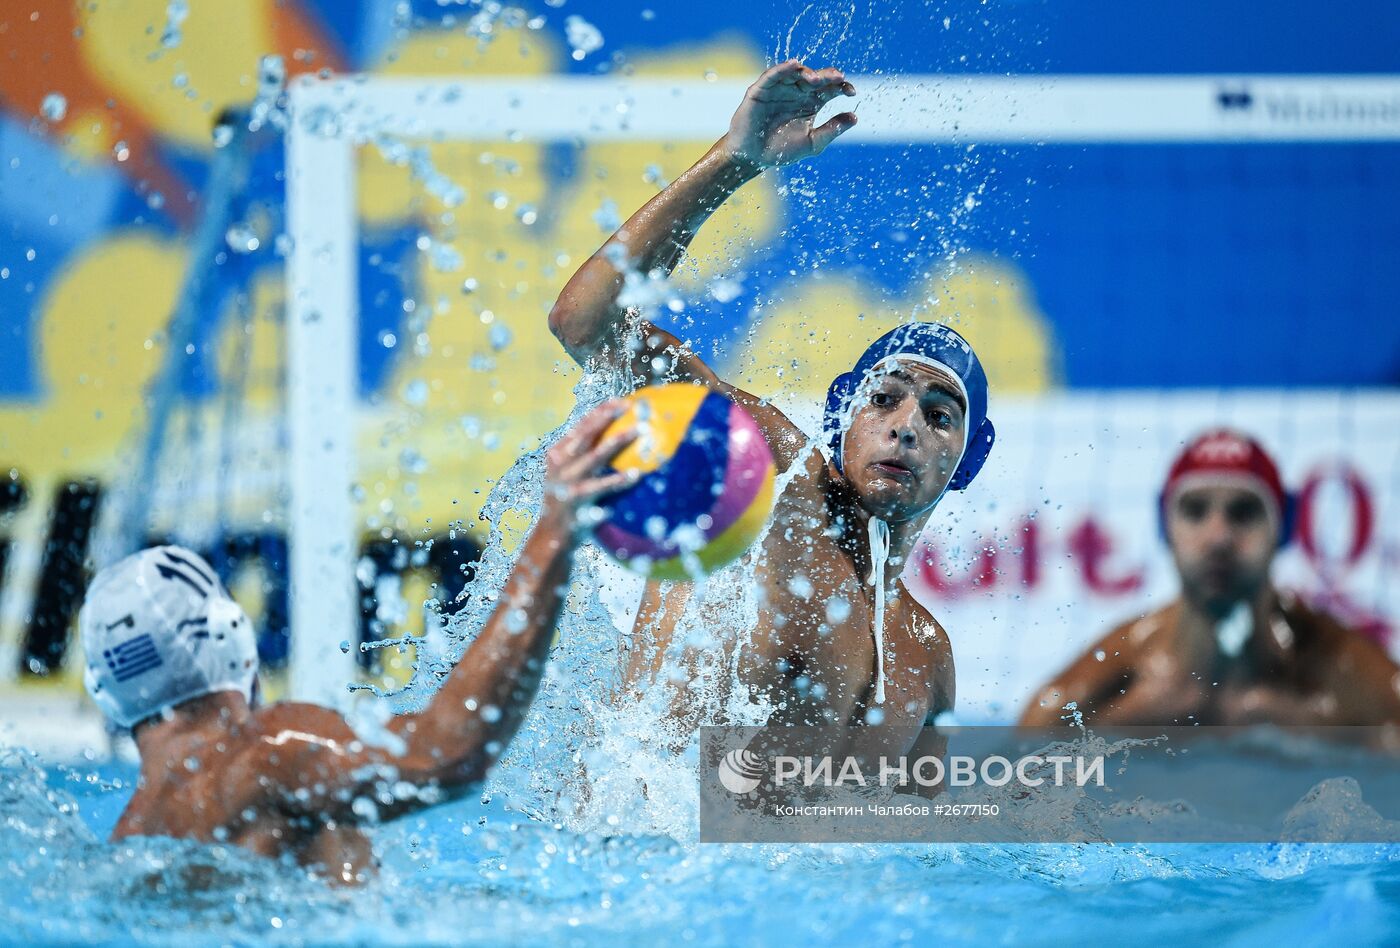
x=270, y=106
x=828, y=21
x=491, y=18
x=419, y=161
x=54, y=107
x=585, y=832
x=176, y=12
x=481, y=872
x=583, y=37
x=242, y=238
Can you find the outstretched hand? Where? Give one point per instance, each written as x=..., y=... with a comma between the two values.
x=576, y=467
x=774, y=124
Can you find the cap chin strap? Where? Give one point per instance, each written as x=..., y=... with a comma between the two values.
x=879, y=530
x=879, y=556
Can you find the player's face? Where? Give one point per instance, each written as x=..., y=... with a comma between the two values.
x=1223, y=540
x=905, y=440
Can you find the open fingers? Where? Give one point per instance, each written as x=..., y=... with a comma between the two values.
x=831, y=76
x=609, y=483
x=832, y=129
x=603, y=452
x=588, y=428
x=794, y=71
x=838, y=87
x=827, y=93
x=779, y=74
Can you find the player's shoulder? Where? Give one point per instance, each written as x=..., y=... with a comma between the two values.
x=788, y=442
x=1142, y=629
x=925, y=626
x=300, y=726
x=927, y=629
x=295, y=745
x=921, y=619
x=1319, y=631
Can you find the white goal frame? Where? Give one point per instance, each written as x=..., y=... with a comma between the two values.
x=330, y=118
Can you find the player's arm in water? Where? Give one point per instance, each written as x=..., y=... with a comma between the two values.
x=1357, y=684
x=774, y=125
x=1113, y=689
x=313, y=763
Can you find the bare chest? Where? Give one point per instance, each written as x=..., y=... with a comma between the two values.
x=822, y=612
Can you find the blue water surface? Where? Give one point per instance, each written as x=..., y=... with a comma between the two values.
x=475, y=872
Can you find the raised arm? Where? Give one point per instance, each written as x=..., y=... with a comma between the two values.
x=774, y=125
x=450, y=745
x=476, y=712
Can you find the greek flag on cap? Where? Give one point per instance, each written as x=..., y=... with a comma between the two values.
x=159, y=629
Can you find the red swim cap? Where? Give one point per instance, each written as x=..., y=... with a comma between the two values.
x=1223, y=456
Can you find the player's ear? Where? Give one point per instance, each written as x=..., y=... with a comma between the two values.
x=838, y=400
x=979, y=446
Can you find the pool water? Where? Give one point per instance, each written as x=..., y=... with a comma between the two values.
x=480, y=872
x=586, y=834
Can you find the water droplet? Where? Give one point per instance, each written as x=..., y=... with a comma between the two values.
x=415, y=392
x=727, y=289
x=176, y=11
x=241, y=238
x=653, y=176
x=582, y=36
x=607, y=217
x=54, y=107
x=500, y=336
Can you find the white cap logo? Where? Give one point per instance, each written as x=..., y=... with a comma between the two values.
x=1224, y=448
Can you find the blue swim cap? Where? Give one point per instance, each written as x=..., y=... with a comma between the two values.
x=925, y=342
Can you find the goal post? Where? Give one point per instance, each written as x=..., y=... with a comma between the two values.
x=331, y=117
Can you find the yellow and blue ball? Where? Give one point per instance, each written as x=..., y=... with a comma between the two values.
x=706, y=486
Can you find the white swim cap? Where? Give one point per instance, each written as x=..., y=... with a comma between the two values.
x=158, y=629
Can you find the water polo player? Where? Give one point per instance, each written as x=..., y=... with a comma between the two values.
x=171, y=656
x=1231, y=649
x=835, y=636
